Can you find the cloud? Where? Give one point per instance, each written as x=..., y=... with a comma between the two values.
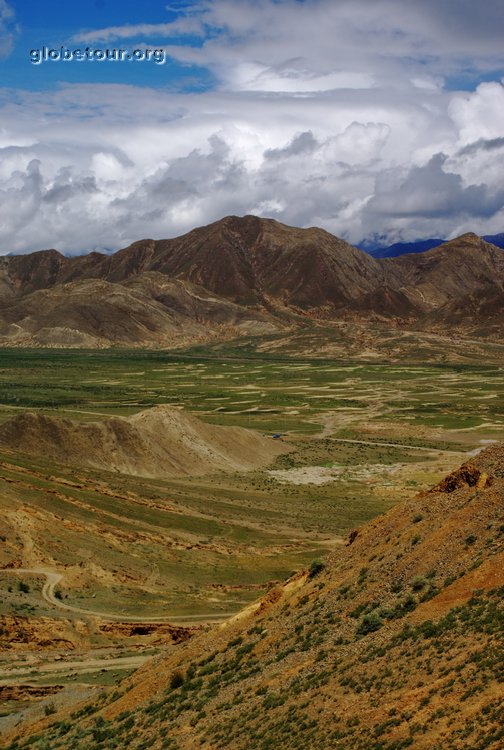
x=8, y=28
x=180, y=27
x=320, y=45
x=304, y=143
x=479, y=114
x=431, y=192
x=482, y=144
x=93, y=171
x=327, y=113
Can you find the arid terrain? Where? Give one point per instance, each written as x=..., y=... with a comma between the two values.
x=232, y=508
x=130, y=526
x=394, y=641
x=243, y=276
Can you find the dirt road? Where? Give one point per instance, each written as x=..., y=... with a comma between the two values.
x=398, y=445
x=49, y=594
x=17, y=675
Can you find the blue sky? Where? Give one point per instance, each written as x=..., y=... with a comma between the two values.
x=55, y=24
x=375, y=119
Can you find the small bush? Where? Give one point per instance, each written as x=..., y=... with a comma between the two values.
x=418, y=583
x=176, y=680
x=369, y=623
x=316, y=567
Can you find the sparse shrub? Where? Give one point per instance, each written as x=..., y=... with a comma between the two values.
x=418, y=583
x=417, y=518
x=49, y=709
x=176, y=679
x=369, y=623
x=476, y=564
x=408, y=604
x=255, y=629
x=128, y=724
x=316, y=567
x=23, y=587
x=273, y=700
x=471, y=539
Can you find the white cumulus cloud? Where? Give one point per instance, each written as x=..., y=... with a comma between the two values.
x=324, y=112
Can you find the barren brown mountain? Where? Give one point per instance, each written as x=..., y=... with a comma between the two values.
x=242, y=275
x=145, y=310
x=461, y=267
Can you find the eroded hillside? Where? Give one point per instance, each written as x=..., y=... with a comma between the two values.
x=160, y=442
x=393, y=643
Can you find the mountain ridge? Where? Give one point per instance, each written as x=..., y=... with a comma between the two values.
x=419, y=246
x=252, y=272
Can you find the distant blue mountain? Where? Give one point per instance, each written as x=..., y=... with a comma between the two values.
x=420, y=246
x=401, y=248
x=495, y=239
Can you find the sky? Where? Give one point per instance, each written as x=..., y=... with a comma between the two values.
x=378, y=120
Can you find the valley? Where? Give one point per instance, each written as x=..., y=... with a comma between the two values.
x=251, y=375
x=186, y=424
x=98, y=563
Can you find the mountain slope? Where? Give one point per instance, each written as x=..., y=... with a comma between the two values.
x=159, y=442
x=480, y=312
x=242, y=259
x=237, y=275
x=249, y=259
x=462, y=266
x=145, y=310
x=392, y=644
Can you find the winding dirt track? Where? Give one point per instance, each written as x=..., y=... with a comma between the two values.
x=49, y=594
x=19, y=675
x=381, y=444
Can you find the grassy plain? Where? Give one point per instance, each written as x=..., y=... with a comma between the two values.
x=243, y=387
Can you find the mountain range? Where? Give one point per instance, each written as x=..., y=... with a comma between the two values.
x=244, y=275
x=419, y=246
